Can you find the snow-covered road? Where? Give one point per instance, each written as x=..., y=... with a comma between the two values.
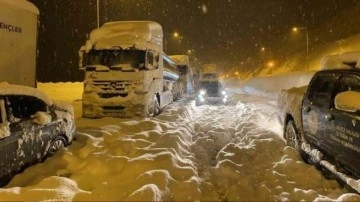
x=188, y=153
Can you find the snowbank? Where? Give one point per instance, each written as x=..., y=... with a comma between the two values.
x=271, y=86
x=341, y=61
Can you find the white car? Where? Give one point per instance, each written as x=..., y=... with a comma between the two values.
x=32, y=127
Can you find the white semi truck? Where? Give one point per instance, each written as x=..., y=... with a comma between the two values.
x=126, y=72
x=18, y=37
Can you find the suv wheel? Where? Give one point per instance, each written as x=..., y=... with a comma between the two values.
x=58, y=143
x=292, y=139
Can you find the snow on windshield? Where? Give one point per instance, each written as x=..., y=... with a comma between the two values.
x=8, y=89
x=117, y=58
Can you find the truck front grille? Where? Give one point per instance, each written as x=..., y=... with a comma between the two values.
x=118, y=86
x=111, y=95
x=113, y=108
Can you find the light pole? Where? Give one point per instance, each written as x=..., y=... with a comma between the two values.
x=295, y=29
x=98, y=13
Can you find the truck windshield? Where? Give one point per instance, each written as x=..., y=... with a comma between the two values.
x=212, y=87
x=115, y=58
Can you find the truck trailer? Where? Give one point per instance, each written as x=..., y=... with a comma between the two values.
x=18, y=38
x=126, y=71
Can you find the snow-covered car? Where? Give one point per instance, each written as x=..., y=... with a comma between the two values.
x=32, y=127
x=210, y=92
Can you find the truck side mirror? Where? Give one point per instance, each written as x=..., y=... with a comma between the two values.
x=150, y=60
x=82, y=58
x=348, y=101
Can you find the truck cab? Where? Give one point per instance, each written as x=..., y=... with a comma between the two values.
x=126, y=71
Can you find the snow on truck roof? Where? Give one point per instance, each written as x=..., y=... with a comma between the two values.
x=341, y=61
x=126, y=34
x=9, y=89
x=23, y=4
x=180, y=59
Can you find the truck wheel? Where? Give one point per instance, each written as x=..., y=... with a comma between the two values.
x=58, y=143
x=292, y=139
x=153, y=108
x=156, y=106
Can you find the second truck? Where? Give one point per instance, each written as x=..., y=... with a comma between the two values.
x=126, y=71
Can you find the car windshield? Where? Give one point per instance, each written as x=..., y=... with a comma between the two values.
x=113, y=58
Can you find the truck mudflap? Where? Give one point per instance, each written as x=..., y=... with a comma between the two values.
x=317, y=157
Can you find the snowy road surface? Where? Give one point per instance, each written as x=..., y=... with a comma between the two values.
x=212, y=153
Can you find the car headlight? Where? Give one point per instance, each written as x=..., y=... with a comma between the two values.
x=202, y=92
x=223, y=92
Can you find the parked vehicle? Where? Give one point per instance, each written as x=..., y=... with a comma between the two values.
x=186, y=73
x=32, y=127
x=18, y=37
x=125, y=73
x=210, y=91
x=322, y=122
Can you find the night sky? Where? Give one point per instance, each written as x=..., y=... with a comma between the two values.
x=230, y=33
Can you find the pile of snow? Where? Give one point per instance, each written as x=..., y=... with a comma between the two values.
x=41, y=118
x=188, y=153
x=271, y=86
x=341, y=61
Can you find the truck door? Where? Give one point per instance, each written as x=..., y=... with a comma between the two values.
x=345, y=138
x=316, y=113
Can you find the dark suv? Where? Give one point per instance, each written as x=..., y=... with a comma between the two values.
x=31, y=127
x=323, y=120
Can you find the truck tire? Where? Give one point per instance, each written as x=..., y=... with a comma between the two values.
x=153, y=108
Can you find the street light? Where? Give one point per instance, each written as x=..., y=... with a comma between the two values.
x=98, y=13
x=296, y=29
x=174, y=35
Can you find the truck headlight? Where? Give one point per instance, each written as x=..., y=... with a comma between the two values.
x=223, y=92
x=202, y=92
